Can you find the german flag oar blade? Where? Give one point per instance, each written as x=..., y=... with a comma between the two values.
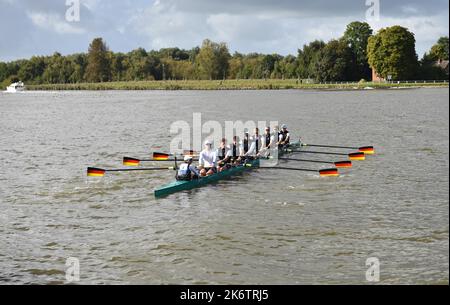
x=368, y=150
x=357, y=156
x=344, y=164
x=131, y=161
x=332, y=172
x=95, y=172
x=160, y=156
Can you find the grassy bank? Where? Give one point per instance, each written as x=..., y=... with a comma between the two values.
x=229, y=85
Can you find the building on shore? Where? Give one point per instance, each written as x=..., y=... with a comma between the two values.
x=376, y=78
x=443, y=64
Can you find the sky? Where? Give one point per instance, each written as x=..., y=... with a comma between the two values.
x=30, y=27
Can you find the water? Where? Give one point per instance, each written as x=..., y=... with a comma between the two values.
x=261, y=228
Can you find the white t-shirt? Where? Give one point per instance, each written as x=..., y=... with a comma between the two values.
x=208, y=158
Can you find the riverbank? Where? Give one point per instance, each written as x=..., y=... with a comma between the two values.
x=230, y=85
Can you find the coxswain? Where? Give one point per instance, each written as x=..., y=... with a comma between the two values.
x=208, y=160
x=187, y=170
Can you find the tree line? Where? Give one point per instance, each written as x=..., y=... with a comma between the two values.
x=391, y=52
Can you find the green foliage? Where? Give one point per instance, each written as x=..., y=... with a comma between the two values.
x=357, y=37
x=307, y=58
x=429, y=65
x=392, y=52
x=3, y=71
x=346, y=59
x=440, y=50
x=98, y=68
x=212, y=60
x=333, y=62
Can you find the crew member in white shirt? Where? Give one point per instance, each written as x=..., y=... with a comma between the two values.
x=187, y=170
x=208, y=160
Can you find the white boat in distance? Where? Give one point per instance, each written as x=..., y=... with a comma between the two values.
x=16, y=87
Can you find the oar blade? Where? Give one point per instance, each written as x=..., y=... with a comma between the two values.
x=331, y=172
x=160, y=156
x=344, y=164
x=360, y=156
x=95, y=172
x=131, y=161
x=368, y=150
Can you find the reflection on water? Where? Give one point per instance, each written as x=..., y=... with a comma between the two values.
x=262, y=227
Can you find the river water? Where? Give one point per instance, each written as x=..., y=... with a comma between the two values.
x=261, y=228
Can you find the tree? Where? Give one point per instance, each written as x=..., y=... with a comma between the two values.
x=430, y=67
x=3, y=71
x=357, y=38
x=333, y=62
x=285, y=68
x=392, y=52
x=307, y=57
x=268, y=64
x=32, y=69
x=98, y=68
x=79, y=63
x=59, y=70
x=236, y=64
x=212, y=60
x=440, y=50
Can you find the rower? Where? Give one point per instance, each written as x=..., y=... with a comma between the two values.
x=224, y=155
x=245, y=144
x=268, y=142
x=256, y=145
x=187, y=171
x=208, y=160
x=284, y=137
x=235, y=150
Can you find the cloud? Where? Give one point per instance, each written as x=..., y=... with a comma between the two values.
x=265, y=26
x=54, y=22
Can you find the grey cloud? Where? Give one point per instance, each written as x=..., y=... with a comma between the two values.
x=266, y=26
x=322, y=8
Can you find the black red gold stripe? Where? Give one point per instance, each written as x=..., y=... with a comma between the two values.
x=131, y=162
x=369, y=150
x=344, y=164
x=160, y=156
x=329, y=173
x=95, y=172
x=357, y=156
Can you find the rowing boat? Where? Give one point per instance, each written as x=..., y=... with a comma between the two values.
x=179, y=186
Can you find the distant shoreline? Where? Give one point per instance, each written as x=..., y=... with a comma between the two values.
x=232, y=85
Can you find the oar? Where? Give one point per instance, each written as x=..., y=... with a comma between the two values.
x=331, y=172
x=343, y=164
x=127, y=161
x=99, y=172
x=368, y=150
x=352, y=157
x=157, y=156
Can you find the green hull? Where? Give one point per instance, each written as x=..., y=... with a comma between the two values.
x=179, y=186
